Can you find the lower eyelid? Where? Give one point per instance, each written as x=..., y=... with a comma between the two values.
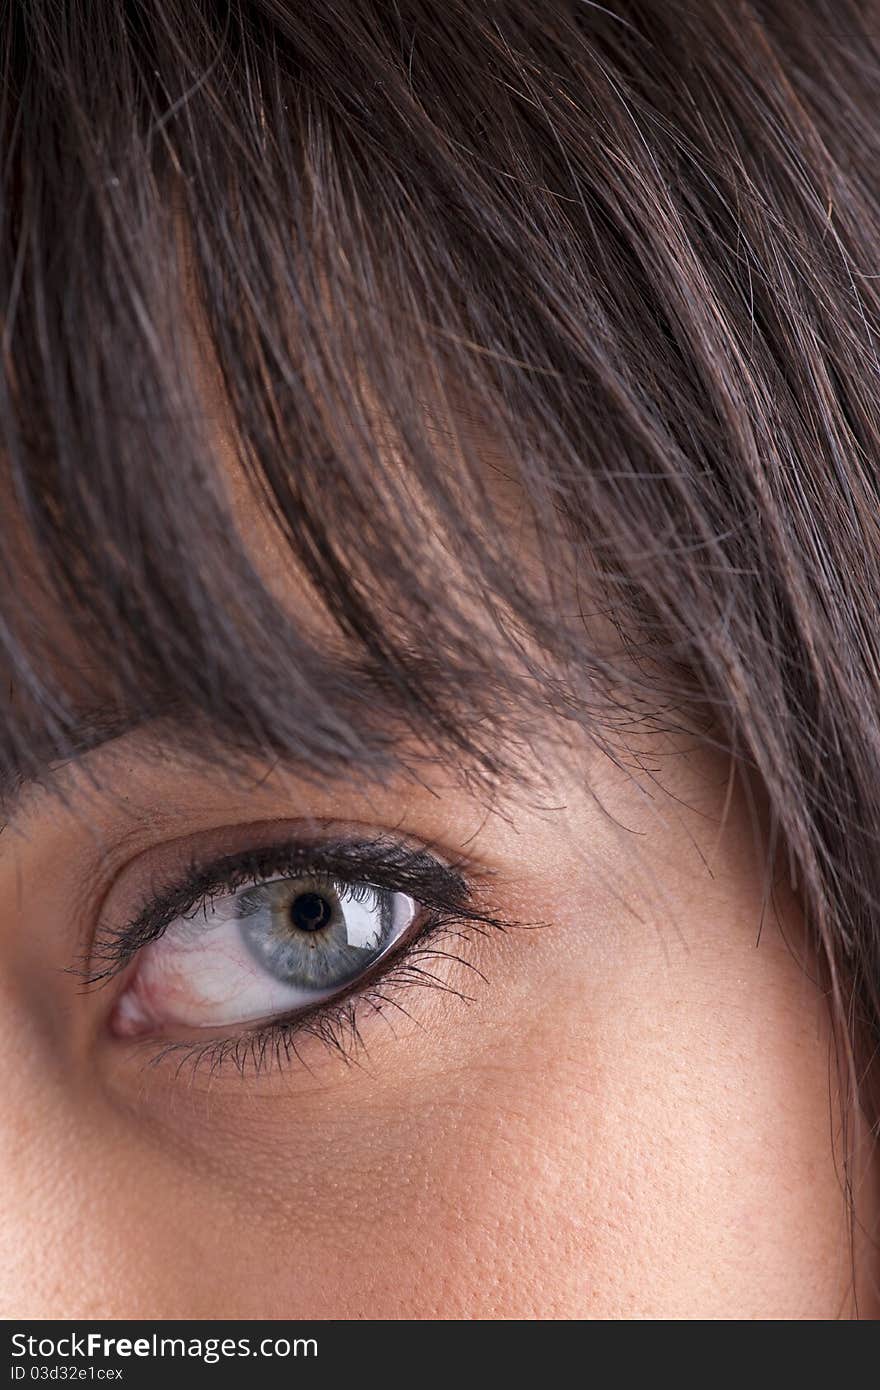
x=335, y=1020
x=207, y=977
x=336, y=1023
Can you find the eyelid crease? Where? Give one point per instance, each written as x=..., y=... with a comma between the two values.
x=382, y=860
x=453, y=917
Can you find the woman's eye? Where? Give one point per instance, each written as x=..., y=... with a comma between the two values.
x=272, y=948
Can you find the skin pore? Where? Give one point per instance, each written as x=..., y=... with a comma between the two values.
x=516, y=313
x=628, y=1115
x=624, y=1106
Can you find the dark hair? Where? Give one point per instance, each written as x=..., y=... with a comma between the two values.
x=632, y=251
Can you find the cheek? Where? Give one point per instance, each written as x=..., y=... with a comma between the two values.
x=648, y=1137
x=664, y=1155
x=633, y=1117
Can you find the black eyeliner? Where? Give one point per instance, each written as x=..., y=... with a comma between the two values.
x=380, y=861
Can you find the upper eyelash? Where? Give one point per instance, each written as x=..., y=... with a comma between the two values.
x=442, y=888
x=382, y=861
x=334, y=1022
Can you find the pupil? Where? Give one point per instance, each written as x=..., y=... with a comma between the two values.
x=310, y=912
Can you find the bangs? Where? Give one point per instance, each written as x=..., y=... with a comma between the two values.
x=390, y=382
x=214, y=231
x=500, y=373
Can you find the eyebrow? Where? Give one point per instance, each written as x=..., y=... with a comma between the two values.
x=168, y=720
x=92, y=728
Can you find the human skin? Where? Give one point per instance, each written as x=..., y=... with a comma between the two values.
x=631, y=1115
x=632, y=1112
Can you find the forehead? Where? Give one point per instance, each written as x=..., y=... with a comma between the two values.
x=273, y=492
x=84, y=673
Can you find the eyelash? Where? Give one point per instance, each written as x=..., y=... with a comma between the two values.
x=443, y=892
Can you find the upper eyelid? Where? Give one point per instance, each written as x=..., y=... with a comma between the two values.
x=334, y=856
x=389, y=862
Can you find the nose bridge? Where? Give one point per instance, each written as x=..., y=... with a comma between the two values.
x=68, y=1174
x=59, y=1168
x=53, y=1183
x=90, y=1221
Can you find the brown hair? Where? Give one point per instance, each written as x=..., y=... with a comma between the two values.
x=640, y=242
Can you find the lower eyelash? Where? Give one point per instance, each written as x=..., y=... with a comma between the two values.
x=336, y=1022
x=380, y=861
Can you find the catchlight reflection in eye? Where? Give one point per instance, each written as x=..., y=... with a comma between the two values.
x=271, y=948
